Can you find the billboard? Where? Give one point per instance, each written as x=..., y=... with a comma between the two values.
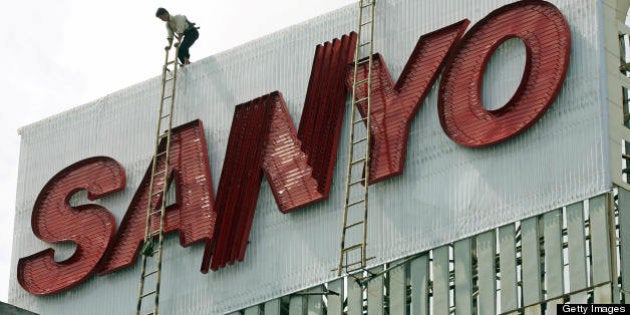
x=262, y=139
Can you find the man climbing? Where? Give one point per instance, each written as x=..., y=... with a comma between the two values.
x=185, y=31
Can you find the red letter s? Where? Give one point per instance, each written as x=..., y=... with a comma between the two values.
x=90, y=226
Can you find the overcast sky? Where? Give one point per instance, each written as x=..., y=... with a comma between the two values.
x=61, y=54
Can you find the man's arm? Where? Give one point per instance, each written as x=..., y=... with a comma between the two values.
x=169, y=37
x=179, y=37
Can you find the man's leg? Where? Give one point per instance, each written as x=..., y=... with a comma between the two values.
x=190, y=36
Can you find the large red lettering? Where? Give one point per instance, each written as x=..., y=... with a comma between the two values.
x=91, y=227
x=395, y=106
x=547, y=37
x=192, y=214
x=298, y=165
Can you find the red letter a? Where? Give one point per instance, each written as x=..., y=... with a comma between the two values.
x=192, y=215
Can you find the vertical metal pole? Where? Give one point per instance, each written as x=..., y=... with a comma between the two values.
x=612, y=235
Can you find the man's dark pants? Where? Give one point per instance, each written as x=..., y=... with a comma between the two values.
x=190, y=36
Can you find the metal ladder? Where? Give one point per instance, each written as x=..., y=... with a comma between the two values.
x=158, y=188
x=352, y=256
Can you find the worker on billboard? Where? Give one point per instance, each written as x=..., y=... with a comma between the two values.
x=185, y=31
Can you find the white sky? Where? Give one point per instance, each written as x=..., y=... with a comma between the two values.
x=61, y=54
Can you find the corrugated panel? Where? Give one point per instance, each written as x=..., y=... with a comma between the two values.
x=254, y=310
x=507, y=266
x=530, y=254
x=273, y=307
x=486, y=264
x=554, y=276
x=463, y=277
x=335, y=301
x=398, y=288
x=600, y=248
x=375, y=292
x=465, y=191
x=577, y=252
x=355, y=298
x=419, y=269
x=440, y=266
x=296, y=305
x=315, y=302
x=624, y=239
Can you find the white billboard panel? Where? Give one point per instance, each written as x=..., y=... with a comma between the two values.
x=446, y=191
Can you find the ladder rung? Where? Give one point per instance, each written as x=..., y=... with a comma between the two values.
x=160, y=153
x=358, y=161
x=364, y=60
x=150, y=273
x=359, y=141
x=361, y=100
x=369, y=3
x=147, y=294
x=155, y=212
x=154, y=233
x=167, y=97
x=352, y=264
x=361, y=81
x=357, y=263
x=171, y=62
x=356, y=203
x=360, y=120
x=165, y=116
x=353, y=247
x=366, y=23
x=359, y=181
x=164, y=134
x=159, y=172
x=353, y=224
x=365, y=44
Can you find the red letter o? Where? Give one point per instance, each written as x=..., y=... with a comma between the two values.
x=545, y=32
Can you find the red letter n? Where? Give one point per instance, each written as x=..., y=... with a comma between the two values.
x=298, y=165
